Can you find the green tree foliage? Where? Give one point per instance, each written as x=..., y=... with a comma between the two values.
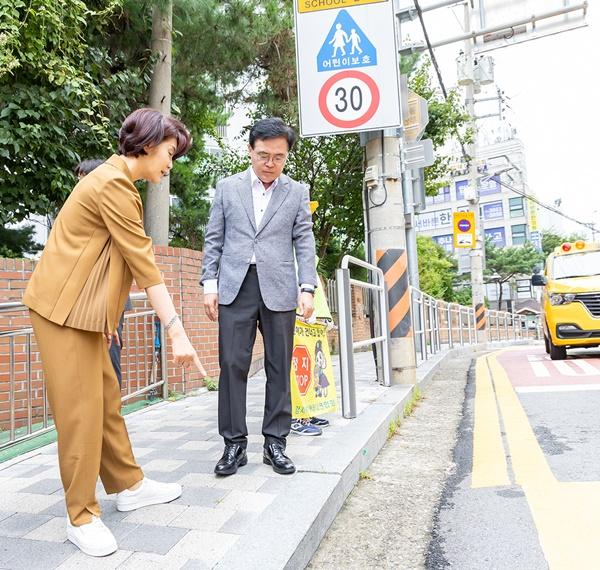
x=504, y=263
x=463, y=296
x=552, y=239
x=61, y=97
x=17, y=242
x=447, y=119
x=189, y=214
x=437, y=269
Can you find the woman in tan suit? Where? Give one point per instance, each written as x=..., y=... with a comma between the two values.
x=76, y=294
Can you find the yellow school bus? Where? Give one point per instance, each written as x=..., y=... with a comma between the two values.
x=571, y=298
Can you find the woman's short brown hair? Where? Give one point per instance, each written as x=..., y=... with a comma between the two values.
x=149, y=127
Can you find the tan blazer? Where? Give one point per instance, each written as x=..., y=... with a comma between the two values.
x=96, y=247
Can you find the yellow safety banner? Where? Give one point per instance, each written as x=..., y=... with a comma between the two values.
x=464, y=229
x=312, y=381
x=317, y=5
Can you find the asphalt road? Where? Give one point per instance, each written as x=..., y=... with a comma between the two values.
x=526, y=490
x=498, y=468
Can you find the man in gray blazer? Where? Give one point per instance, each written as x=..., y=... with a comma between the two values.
x=258, y=220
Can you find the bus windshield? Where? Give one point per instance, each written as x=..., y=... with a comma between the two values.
x=582, y=264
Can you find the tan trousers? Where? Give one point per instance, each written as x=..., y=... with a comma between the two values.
x=85, y=400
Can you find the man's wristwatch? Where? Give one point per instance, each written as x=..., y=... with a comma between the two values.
x=307, y=290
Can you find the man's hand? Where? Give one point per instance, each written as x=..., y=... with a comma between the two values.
x=211, y=306
x=306, y=305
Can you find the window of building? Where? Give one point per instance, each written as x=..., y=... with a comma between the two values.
x=446, y=241
x=443, y=195
x=489, y=186
x=460, y=189
x=515, y=206
x=519, y=234
x=497, y=235
x=492, y=211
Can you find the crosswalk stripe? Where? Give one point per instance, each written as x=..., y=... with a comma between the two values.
x=587, y=367
x=539, y=369
x=558, y=388
x=565, y=369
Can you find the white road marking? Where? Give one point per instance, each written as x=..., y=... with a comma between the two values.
x=587, y=367
x=558, y=388
x=539, y=369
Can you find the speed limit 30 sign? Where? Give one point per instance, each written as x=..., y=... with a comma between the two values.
x=348, y=76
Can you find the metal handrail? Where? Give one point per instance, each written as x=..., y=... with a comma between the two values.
x=347, y=345
x=154, y=365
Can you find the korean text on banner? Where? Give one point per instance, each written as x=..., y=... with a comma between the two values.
x=312, y=381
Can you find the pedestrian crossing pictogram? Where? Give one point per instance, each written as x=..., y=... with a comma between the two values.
x=346, y=46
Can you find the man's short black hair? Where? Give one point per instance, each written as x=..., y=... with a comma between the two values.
x=86, y=166
x=272, y=128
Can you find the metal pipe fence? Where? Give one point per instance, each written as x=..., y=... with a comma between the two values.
x=24, y=409
x=347, y=344
x=438, y=325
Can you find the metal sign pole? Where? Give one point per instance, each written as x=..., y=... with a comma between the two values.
x=346, y=349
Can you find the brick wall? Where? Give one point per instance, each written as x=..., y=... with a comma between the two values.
x=181, y=272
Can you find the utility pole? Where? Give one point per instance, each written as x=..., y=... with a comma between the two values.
x=157, y=200
x=387, y=244
x=408, y=185
x=477, y=253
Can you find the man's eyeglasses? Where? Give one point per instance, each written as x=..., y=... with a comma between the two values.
x=266, y=157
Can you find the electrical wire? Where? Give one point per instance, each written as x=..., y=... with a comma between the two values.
x=438, y=73
x=528, y=196
x=590, y=226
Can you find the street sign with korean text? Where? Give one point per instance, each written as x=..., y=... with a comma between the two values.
x=347, y=64
x=433, y=220
x=464, y=229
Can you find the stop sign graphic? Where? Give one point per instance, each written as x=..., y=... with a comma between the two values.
x=302, y=368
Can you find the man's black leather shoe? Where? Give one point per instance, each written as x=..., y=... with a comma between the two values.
x=274, y=455
x=233, y=457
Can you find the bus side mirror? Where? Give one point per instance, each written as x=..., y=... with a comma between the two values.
x=538, y=280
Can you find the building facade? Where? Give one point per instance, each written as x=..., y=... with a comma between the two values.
x=508, y=218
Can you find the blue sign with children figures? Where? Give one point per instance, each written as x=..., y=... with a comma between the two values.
x=346, y=46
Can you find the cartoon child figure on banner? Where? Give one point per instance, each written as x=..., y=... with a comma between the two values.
x=321, y=380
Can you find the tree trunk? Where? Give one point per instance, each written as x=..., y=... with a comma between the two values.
x=324, y=240
x=501, y=283
x=157, y=200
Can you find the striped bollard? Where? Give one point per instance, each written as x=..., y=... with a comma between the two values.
x=394, y=264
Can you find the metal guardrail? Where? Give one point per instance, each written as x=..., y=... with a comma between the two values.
x=439, y=325
x=24, y=409
x=347, y=345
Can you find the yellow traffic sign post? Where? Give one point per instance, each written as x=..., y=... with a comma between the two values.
x=464, y=230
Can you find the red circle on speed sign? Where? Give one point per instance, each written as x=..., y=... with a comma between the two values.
x=356, y=121
x=302, y=368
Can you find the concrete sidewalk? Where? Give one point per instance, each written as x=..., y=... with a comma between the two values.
x=254, y=519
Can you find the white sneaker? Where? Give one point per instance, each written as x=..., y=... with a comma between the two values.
x=148, y=493
x=92, y=538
